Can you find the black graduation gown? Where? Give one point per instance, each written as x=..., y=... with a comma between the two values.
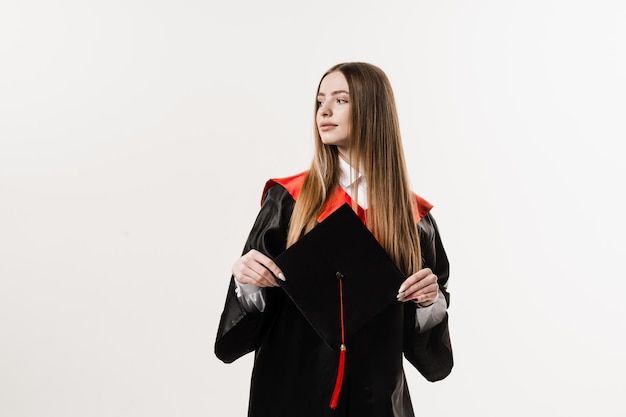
x=294, y=370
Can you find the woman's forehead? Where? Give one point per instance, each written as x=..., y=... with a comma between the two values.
x=333, y=83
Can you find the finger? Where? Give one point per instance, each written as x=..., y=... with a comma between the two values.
x=415, y=278
x=427, y=299
x=268, y=264
x=425, y=284
x=417, y=290
x=259, y=273
x=422, y=296
x=248, y=270
x=249, y=276
x=429, y=289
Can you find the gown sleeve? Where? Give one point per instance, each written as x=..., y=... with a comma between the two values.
x=430, y=351
x=239, y=331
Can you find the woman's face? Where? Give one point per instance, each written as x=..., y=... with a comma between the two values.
x=333, y=112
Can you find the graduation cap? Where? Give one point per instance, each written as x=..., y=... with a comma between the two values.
x=340, y=278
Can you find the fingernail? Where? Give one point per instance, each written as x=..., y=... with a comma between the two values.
x=281, y=277
x=401, y=289
x=400, y=295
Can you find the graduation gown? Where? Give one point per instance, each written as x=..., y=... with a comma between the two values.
x=294, y=369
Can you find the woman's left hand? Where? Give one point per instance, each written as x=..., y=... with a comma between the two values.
x=421, y=287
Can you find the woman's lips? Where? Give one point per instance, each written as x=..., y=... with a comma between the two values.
x=326, y=126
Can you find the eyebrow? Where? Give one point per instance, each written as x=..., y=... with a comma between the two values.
x=334, y=93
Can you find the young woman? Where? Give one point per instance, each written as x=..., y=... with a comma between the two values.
x=358, y=160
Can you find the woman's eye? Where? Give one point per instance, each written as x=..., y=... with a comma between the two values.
x=320, y=103
x=342, y=101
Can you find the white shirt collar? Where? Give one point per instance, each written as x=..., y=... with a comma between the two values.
x=348, y=181
x=347, y=176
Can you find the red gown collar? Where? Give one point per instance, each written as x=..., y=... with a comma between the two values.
x=293, y=185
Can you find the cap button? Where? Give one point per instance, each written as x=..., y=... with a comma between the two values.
x=339, y=275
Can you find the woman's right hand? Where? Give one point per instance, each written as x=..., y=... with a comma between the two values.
x=254, y=268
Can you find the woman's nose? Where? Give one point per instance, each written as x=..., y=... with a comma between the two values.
x=325, y=110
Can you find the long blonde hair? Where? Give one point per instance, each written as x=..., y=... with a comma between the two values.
x=375, y=148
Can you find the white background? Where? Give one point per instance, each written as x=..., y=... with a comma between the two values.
x=136, y=136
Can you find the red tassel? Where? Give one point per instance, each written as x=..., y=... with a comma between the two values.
x=342, y=350
x=342, y=364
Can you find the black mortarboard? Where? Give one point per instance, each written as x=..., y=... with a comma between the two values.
x=339, y=246
x=339, y=277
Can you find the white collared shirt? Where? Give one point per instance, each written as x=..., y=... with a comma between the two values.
x=349, y=183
